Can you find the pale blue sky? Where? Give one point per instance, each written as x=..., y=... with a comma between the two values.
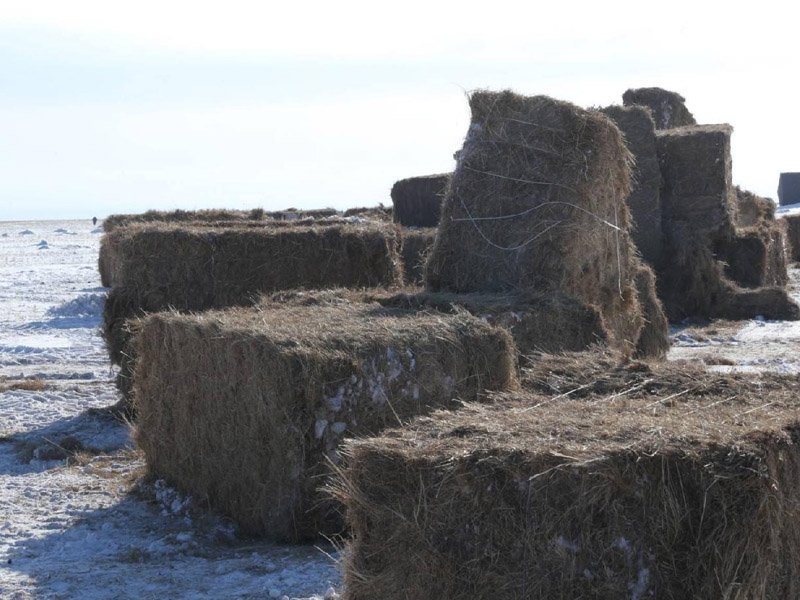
x=125, y=107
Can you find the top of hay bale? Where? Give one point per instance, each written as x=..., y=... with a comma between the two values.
x=417, y=201
x=183, y=216
x=789, y=188
x=669, y=108
x=753, y=210
x=537, y=204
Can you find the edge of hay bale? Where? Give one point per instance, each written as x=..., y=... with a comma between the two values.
x=416, y=245
x=669, y=108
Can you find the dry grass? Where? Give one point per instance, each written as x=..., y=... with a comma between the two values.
x=29, y=385
x=183, y=216
x=416, y=246
x=246, y=409
x=618, y=482
x=536, y=205
x=793, y=235
x=669, y=108
x=753, y=210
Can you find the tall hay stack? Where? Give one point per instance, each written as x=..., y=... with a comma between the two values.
x=649, y=491
x=669, y=108
x=246, y=408
x=536, y=206
x=636, y=124
x=700, y=216
x=417, y=201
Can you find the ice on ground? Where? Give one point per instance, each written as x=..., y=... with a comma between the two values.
x=74, y=521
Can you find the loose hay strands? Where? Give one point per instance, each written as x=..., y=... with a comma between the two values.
x=536, y=205
x=246, y=408
x=676, y=489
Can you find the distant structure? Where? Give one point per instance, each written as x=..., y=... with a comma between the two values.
x=94, y=220
x=789, y=189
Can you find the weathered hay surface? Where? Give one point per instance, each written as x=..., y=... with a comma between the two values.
x=417, y=244
x=197, y=268
x=753, y=210
x=644, y=202
x=294, y=214
x=789, y=188
x=637, y=490
x=246, y=408
x=696, y=170
x=536, y=205
x=654, y=337
x=757, y=256
x=183, y=216
x=792, y=224
x=669, y=108
x=417, y=201
x=693, y=283
x=373, y=213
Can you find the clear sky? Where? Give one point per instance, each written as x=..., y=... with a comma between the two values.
x=122, y=107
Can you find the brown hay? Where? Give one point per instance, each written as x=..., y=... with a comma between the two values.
x=373, y=213
x=536, y=205
x=417, y=244
x=183, y=216
x=649, y=490
x=246, y=408
x=757, y=256
x=792, y=224
x=644, y=202
x=669, y=108
x=197, y=268
x=789, y=188
x=417, y=201
x=696, y=169
x=753, y=210
x=653, y=340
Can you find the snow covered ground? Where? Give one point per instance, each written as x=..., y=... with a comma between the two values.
x=75, y=520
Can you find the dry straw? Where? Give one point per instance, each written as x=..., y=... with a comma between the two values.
x=417, y=244
x=608, y=482
x=669, y=108
x=246, y=408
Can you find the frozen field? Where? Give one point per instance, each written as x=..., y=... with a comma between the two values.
x=84, y=527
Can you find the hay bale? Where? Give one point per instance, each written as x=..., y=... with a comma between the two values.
x=197, y=268
x=184, y=216
x=653, y=340
x=637, y=494
x=792, y=225
x=373, y=213
x=537, y=205
x=669, y=108
x=756, y=256
x=644, y=202
x=417, y=244
x=753, y=210
x=789, y=188
x=417, y=201
x=294, y=214
x=696, y=170
x=246, y=408
x=538, y=323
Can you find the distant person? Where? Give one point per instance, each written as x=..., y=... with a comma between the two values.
x=94, y=221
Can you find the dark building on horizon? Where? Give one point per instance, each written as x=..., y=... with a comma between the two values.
x=789, y=189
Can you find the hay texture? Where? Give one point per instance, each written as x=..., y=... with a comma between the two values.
x=757, y=256
x=184, y=216
x=653, y=342
x=417, y=244
x=789, y=188
x=696, y=170
x=537, y=205
x=644, y=201
x=792, y=225
x=417, y=201
x=639, y=493
x=669, y=108
x=246, y=408
x=370, y=213
x=197, y=268
x=753, y=210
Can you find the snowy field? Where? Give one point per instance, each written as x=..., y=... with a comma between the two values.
x=75, y=521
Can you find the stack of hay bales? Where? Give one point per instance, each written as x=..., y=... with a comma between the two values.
x=753, y=210
x=636, y=124
x=789, y=188
x=190, y=267
x=536, y=207
x=657, y=484
x=417, y=201
x=668, y=108
x=246, y=408
x=700, y=223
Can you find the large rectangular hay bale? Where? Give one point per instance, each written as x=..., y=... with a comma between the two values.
x=417, y=243
x=669, y=108
x=644, y=201
x=757, y=256
x=696, y=170
x=792, y=235
x=246, y=408
x=537, y=205
x=640, y=493
x=197, y=268
x=417, y=201
x=789, y=188
x=210, y=215
x=753, y=210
